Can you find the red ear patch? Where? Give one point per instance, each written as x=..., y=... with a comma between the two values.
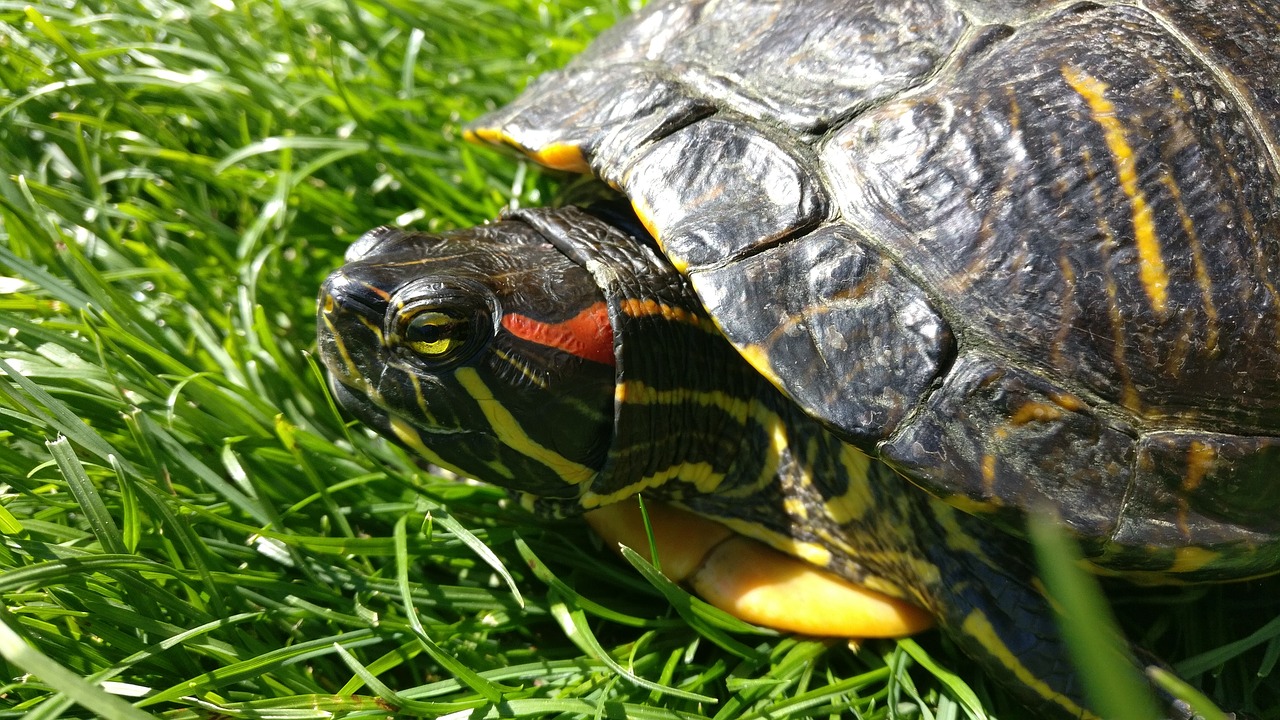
x=587, y=334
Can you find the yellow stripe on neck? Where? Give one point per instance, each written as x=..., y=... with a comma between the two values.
x=509, y=432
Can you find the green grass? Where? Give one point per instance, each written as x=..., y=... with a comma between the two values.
x=188, y=522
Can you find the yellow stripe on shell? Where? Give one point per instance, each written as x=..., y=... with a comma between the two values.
x=1201, y=458
x=562, y=156
x=1203, y=277
x=1191, y=559
x=977, y=626
x=989, y=474
x=509, y=432
x=557, y=155
x=1151, y=269
x=492, y=136
x=758, y=357
x=645, y=215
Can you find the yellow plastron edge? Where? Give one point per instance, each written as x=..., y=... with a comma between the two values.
x=754, y=582
x=557, y=155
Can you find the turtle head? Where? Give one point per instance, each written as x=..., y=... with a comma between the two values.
x=486, y=351
x=554, y=353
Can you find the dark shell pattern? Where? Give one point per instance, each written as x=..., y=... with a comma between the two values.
x=1027, y=253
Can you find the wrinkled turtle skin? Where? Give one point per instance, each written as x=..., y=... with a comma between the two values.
x=1028, y=260
x=1023, y=253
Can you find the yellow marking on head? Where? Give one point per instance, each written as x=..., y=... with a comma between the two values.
x=795, y=507
x=977, y=626
x=523, y=368
x=702, y=476
x=412, y=439
x=1155, y=279
x=371, y=327
x=509, y=432
x=1191, y=559
x=353, y=371
x=1200, y=460
x=1035, y=412
x=420, y=398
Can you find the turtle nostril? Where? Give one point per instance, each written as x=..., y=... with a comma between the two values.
x=344, y=293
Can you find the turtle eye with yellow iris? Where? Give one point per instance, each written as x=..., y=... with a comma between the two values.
x=437, y=324
x=435, y=335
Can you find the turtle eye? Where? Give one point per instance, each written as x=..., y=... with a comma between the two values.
x=437, y=324
x=435, y=335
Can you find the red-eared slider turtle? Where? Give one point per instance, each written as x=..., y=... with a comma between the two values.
x=1023, y=254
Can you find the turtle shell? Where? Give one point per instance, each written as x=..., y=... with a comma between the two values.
x=1026, y=253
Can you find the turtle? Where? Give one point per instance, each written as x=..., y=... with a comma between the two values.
x=888, y=279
